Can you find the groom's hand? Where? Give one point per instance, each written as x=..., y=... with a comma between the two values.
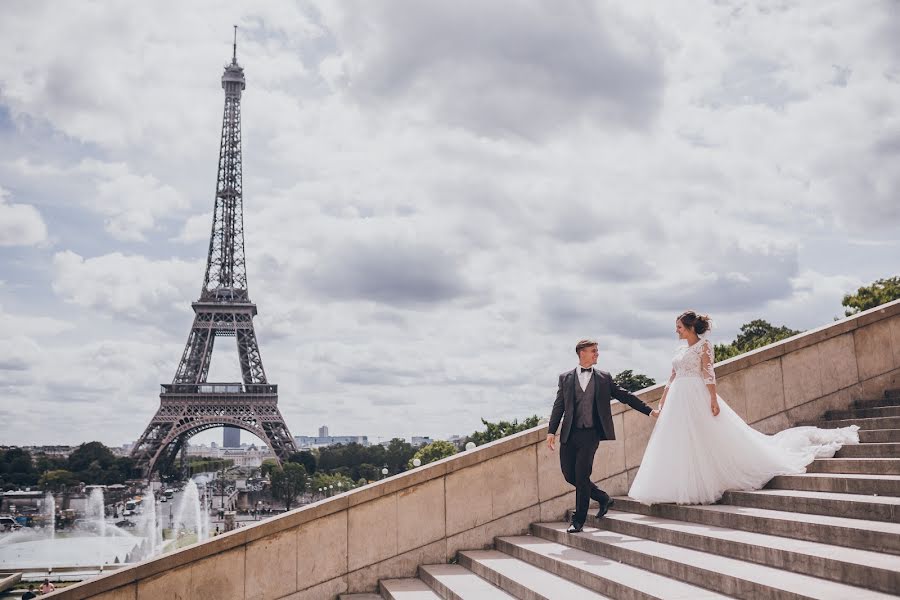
x=550, y=439
x=654, y=413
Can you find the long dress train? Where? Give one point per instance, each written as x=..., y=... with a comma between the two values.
x=693, y=457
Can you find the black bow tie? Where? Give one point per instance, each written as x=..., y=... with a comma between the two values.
x=583, y=370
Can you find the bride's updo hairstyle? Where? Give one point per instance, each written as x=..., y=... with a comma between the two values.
x=699, y=323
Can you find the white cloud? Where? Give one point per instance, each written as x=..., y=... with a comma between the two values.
x=132, y=204
x=441, y=197
x=126, y=286
x=20, y=224
x=502, y=70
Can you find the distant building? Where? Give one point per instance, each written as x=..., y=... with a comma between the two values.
x=54, y=451
x=247, y=457
x=421, y=440
x=457, y=440
x=307, y=442
x=231, y=437
x=323, y=431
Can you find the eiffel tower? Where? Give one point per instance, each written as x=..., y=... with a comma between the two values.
x=190, y=404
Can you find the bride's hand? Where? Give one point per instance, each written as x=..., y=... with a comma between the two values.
x=714, y=406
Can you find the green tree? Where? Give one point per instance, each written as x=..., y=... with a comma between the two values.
x=288, y=482
x=870, y=296
x=58, y=481
x=85, y=454
x=367, y=472
x=753, y=335
x=268, y=466
x=334, y=484
x=44, y=463
x=305, y=458
x=633, y=382
x=17, y=468
x=398, y=454
x=501, y=429
x=431, y=452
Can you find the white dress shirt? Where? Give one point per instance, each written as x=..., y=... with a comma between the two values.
x=584, y=377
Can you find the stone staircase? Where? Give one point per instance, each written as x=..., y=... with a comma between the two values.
x=833, y=532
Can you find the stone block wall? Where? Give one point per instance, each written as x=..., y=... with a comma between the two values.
x=386, y=529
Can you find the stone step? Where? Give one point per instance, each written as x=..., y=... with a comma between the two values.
x=406, y=589
x=870, y=423
x=737, y=578
x=612, y=578
x=365, y=596
x=521, y=579
x=845, y=483
x=455, y=582
x=864, y=413
x=854, y=506
x=852, y=533
x=879, y=436
x=860, y=466
x=894, y=393
x=870, y=450
x=863, y=568
x=876, y=402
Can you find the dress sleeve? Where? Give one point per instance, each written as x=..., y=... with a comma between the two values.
x=707, y=363
x=671, y=379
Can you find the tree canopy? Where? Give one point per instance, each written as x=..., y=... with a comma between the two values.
x=880, y=292
x=501, y=429
x=305, y=458
x=753, y=335
x=632, y=381
x=434, y=451
x=17, y=468
x=58, y=480
x=288, y=482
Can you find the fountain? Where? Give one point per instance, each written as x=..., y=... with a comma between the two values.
x=96, y=510
x=50, y=511
x=96, y=542
x=190, y=516
x=151, y=530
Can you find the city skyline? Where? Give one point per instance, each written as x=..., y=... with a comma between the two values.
x=433, y=227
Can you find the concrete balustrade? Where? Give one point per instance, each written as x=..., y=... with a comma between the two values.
x=387, y=529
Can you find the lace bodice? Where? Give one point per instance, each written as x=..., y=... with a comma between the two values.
x=695, y=361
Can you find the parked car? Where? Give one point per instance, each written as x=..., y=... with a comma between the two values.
x=9, y=524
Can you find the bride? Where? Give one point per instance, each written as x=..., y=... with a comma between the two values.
x=700, y=447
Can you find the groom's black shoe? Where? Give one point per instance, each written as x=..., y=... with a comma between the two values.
x=605, y=505
x=575, y=527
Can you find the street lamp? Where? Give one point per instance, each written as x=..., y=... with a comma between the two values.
x=470, y=445
x=384, y=472
x=417, y=462
x=330, y=490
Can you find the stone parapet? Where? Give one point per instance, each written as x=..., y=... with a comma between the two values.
x=425, y=516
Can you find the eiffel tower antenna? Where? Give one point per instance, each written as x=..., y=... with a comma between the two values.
x=190, y=404
x=234, y=48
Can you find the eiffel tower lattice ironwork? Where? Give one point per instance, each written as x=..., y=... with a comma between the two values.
x=190, y=404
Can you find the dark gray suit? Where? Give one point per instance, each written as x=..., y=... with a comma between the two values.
x=579, y=444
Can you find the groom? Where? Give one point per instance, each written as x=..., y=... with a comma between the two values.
x=583, y=397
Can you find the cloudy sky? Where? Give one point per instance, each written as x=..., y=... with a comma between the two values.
x=440, y=198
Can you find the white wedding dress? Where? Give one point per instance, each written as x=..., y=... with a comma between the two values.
x=693, y=457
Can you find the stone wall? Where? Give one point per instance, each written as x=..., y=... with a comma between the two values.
x=387, y=529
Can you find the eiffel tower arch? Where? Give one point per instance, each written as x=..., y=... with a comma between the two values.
x=190, y=404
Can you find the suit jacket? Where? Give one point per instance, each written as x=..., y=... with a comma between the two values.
x=605, y=389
